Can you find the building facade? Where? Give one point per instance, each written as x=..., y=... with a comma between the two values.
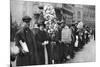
x=69, y=12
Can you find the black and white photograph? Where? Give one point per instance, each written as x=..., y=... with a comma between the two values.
x=46, y=33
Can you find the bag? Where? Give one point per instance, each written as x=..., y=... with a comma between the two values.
x=14, y=50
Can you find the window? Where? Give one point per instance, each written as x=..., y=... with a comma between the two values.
x=79, y=15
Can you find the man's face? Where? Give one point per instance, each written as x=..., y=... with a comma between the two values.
x=23, y=24
x=28, y=24
x=41, y=27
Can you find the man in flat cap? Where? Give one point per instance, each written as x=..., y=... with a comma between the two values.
x=25, y=40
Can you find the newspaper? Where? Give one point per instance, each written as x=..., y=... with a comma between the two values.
x=24, y=46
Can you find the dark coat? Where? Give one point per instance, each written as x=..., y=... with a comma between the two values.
x=41, y=36
x=30, y=58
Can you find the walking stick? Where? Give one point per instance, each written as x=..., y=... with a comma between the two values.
x=46, y=54
x=52, y=52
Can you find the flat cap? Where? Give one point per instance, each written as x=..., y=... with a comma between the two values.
x=26, y=19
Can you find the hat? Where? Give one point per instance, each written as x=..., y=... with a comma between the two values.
x=26, y=19
x=59, y=23
x=41, y=24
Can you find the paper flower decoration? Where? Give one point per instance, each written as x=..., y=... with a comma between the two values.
x=50, y=16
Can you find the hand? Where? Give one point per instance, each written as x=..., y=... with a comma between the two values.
x=53, y=43
x=45, y=42
x=60, y=41
x=23, y=51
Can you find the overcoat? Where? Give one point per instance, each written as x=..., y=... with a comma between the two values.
x=40, y=37
x=31, y=57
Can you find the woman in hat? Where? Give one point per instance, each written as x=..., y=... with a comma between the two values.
x=42, y=39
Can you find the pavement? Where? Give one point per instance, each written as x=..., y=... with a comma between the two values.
x=87, y=54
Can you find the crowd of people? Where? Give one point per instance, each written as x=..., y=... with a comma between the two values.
x=49, y=41
x=44, y=48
